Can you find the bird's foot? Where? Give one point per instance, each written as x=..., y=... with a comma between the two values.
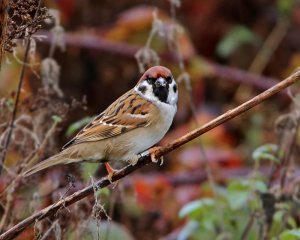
x=154, y=159
x=111, y=172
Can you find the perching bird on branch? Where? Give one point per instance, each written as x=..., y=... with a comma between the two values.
x=130, y=125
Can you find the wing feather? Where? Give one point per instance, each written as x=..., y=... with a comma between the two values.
x=128, y=112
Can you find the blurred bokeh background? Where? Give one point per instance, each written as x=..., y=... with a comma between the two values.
x=222, y=53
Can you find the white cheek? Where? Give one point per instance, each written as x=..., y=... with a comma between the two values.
x=148, y=94
x=173, y=96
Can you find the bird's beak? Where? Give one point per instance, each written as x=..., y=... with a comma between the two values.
x=161, y=82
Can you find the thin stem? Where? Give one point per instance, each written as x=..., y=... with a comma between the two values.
x=270, y=45
x=248, y=227
x=289, y=151
x=188, y=88
x=13, y=117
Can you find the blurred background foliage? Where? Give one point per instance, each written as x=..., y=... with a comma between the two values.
x=240, y=181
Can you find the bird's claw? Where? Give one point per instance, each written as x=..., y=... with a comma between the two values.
x=153, y=157
x=111, y=172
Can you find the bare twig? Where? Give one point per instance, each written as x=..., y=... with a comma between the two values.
x=145, y=159
x=264, y=55
x=29, y=161
x=7, y=209
x=13, y=117
x=50, y=229
x=32, y=160
x=288, y=139
x=248, y=226
x=270, y=45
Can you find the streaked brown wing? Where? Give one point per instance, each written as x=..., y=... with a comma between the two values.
x=128, y=112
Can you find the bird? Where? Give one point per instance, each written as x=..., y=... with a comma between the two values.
x=130, y=125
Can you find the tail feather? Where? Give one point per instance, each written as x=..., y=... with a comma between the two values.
x=60, y=158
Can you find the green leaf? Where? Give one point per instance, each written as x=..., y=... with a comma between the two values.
x=89, y=169
x=277, y=226
x=197, y=208
x=237, y=199
x=260, y=186
x=293, y=234
x=291, y=221
x=188, y=229
x=278, y=216
x=237, y=36
x=238, y=193
x=74, y=127
x=285, y=6
x=10, y=104
x=104, y=191
x=285, y=206
x=266, y=152
x=56, y=118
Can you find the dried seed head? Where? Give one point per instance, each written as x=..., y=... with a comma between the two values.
x=23, y=18
x=50, y=72
x=146, y=57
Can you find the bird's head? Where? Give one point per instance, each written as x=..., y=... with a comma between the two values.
x=158, y=84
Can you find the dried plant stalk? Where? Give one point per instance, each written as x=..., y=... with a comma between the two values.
x=19, y=19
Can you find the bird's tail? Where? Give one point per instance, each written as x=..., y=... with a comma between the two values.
x=60, y=158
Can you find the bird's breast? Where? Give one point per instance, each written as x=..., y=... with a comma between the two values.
x=126, y=145
x=152, y=134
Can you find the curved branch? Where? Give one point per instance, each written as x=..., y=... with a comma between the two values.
x=145, y=159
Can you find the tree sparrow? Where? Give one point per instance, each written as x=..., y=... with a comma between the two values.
x=130, y=125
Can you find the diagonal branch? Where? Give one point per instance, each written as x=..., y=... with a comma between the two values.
x=145, y=159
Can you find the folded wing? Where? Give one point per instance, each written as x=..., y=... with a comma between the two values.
x=128, y=112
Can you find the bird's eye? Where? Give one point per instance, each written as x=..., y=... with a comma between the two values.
x=169, y=79
x=151, y=80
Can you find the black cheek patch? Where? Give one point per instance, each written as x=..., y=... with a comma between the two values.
x=175, y=88
x=142, y=89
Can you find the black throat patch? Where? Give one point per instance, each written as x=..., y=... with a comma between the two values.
x=161, y=92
